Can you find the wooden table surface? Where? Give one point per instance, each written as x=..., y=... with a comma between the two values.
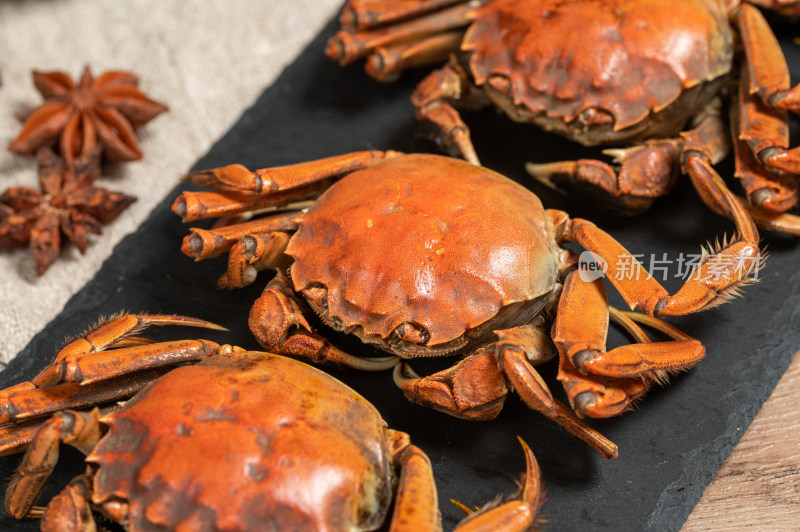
x=759, y=485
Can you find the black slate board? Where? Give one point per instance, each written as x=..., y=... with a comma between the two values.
x=670, y=448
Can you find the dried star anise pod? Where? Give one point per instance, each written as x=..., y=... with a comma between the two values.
x=67, y=204
x=107, y=109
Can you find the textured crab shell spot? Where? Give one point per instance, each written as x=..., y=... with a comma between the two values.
x=236, y=444
x=450, y=245
x=628, y=58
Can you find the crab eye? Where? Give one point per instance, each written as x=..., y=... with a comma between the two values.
x=500, y=83
x=595, y=117
x=412, y=333
x=317, y=295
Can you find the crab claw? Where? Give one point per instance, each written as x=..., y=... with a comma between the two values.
x=644, y=173
x=608, y=400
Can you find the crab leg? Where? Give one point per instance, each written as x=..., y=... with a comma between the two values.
x=278, y=324
x=756, y=130
x=453, y=391
x=204, y=244
x=529, y=385
x=243, y=190
x=728, y=267
x=768, y=73
x=615, y=394
x=366, y=14
x=385, y=64
x=25, y=405
x=697, y=164
x=15, y=437
x=80, y=429
x=253, y=246
x=416, y=506
x=645, y=173
x=433, y=104
x=649, y=171
x=598, y=396
x=776, y=221
x=117, y=362
x=764, y=125
x=106, y=335
x=716, y=195
x=71, y=510
x=251, y=255
x=510, y=360
x=580, y=333
x=517, y=515
x=345, y=47
x=715, y=280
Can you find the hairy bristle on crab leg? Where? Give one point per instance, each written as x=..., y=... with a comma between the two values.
x=702, y=290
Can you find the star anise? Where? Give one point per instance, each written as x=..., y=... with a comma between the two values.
x=107, y=109
x=67, y=204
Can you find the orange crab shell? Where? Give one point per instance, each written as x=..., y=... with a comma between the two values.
x=626, y=62
x=426, y=262
x=237, y=443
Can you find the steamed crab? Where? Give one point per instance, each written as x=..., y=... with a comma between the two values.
x=425, y=256
x=239, y=441
x=600, y=72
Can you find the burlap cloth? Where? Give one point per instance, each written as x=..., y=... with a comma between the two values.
x=207, y=59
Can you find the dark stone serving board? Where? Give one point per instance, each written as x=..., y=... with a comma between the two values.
x=670, y=447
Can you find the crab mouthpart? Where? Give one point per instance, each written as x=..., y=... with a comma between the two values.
x=317, y=294
x=412, y=333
